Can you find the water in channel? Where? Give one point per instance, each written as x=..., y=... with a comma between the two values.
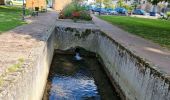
x=78, y=80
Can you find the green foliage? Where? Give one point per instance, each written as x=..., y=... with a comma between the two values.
x=128, y=7
x=157, y=31
x=134, y=5
x=75, y=7
x=155, y=2
x=85, y=15
x=67, y=11
x=10, y=17
x=120, y=3
x=107, y=3
x=72, y=7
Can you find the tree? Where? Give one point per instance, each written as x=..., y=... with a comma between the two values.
x=120, y=3
x=107, y=3
x=155, y=3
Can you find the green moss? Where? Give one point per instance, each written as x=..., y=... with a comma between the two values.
x=77, y=35
x=86, y=33
x=69, y=29
x=16, y=66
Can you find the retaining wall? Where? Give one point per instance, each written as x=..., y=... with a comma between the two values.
x=29, y=82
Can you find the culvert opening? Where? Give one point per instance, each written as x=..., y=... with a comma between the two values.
x=71, y=79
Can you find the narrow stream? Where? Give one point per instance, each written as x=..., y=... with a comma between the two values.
x=78, y=80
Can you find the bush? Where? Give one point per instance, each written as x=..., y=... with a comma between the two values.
x=85, y=15
x=75, y=11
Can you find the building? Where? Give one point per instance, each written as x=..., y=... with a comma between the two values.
x=36, y=3
x=42, y=4
x=60, y=4
x=90, y=1
x=2, y=2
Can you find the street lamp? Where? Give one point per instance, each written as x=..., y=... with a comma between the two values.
x=23, y=9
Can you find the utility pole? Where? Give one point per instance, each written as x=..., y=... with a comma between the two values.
x=23, y=9
x=100, y=7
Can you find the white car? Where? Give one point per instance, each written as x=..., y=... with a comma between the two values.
x=113, y=12
x=14, y=2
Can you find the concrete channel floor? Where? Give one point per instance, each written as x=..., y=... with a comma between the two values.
x=151, y=52
x=24, y=42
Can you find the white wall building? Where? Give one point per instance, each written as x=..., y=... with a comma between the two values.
x=90, y=1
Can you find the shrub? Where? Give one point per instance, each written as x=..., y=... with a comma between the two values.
x=85, y=15
x=75, y=11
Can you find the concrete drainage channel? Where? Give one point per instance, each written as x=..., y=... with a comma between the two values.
x=134, y=78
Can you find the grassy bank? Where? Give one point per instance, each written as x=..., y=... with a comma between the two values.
x=157, y=31
x=10, y=17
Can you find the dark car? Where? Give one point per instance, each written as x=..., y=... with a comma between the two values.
x=152, y=13
x=103, y=11
x=121, y=10
x=96, y=9
x=100, y=10
x=139, y=12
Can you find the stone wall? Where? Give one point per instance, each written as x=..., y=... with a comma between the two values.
x=136, y=78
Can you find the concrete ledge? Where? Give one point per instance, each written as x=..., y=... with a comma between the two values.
x=34, y=43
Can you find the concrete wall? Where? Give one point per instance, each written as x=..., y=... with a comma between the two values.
x=29, y=82
x=36, y=3
x=137, y=79
x=60, y=4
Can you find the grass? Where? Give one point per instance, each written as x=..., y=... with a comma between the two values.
x=155, y=30
x=10, y=17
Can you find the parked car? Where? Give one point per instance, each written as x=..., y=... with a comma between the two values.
x=120, y=10
x=15, y=2
x=139, y=12
x=152, y=13
x=111, y=11
x=96, y=9
x=100, y=10
x=103, y=11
